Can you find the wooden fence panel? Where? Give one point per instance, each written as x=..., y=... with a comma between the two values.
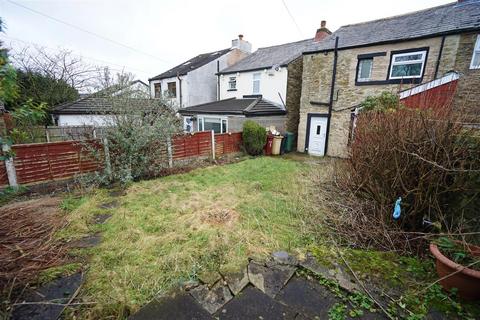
x=192, y=145
x=3, y=174
x=228, y=143
x=52, y=161
x=38, y=162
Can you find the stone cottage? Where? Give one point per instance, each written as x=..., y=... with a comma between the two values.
x=390, y=54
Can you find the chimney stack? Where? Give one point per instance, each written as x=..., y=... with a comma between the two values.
x=241, y=44
x=322, y=32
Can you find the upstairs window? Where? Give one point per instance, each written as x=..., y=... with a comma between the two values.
x=365, y=69
x=157, y=88
x=475, y=64
x=256, y=83
x=172, y=89
x=408, y=65
x=232, y=83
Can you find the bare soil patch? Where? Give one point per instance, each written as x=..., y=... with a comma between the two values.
x=220, y=216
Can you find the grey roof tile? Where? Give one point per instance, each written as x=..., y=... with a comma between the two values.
x=192, y=64
x=249, y=106
x=450, y=18
x=269, y=56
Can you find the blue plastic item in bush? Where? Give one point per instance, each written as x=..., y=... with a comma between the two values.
x=397, y=210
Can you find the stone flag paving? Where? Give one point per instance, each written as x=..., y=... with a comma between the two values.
x=271, y=290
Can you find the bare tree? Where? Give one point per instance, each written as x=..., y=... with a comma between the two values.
x=61, y=65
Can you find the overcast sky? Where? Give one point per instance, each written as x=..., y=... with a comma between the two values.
x=168, y=32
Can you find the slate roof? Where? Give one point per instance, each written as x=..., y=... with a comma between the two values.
x=249, y=106
x=98, y=105
x=94, y=103
x=86, y=105
x=446, y=19
x=267, y=57
x=192, y=64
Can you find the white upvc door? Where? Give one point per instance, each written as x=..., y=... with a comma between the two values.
x=317, y=136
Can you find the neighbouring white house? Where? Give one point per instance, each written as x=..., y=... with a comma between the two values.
x=194, y=81
x=265, y=87
x=90, y=110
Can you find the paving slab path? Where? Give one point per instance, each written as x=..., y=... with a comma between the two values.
x=48, y=302
x=271, y=290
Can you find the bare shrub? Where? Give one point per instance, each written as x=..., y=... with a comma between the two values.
x=429, y=158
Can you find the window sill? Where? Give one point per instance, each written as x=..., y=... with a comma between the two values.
x=389, y=81
x=231, y=89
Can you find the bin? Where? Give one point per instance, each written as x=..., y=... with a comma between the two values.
x=268, y=145
x=283, y=145
x=289, y=137
x=277, y=142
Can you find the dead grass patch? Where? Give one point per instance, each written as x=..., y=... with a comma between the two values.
x=220, y=216
x=27, y=240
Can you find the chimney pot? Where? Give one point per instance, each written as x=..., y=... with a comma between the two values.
x=241, y=44
x=322, y=32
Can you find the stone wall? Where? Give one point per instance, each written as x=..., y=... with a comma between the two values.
x=317, y=76
x=294, y=92
x=468, y=90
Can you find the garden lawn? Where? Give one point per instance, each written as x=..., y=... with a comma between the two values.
x=189, y=226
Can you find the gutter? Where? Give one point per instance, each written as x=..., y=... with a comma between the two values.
x=284, y=65
x=332, y=92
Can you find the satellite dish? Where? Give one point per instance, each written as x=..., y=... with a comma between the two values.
x=274, y=68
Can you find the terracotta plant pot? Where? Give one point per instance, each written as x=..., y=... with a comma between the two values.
x=466, y=281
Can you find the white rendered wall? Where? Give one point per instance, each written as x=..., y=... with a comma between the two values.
x=270, y=85
x=84, y=120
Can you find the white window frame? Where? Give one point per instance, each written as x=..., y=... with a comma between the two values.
x=360, y=70
x=201, y=122
x=256, y=78
x=476, y=51
x=232, y=80
x=393, y=63
x=185, y=124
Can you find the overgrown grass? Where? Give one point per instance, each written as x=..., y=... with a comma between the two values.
x=176, y=228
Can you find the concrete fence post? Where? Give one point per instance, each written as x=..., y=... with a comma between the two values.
x=10, y=166
x=47, y=135
x=213, y=145
x=169, y=152
x=108, y=164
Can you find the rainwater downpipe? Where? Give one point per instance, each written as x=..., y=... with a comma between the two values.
x=218, y=80
x=332, y=91
x=437, y=66
x=180, y=89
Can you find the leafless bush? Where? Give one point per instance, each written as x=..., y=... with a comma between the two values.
x=427, y=157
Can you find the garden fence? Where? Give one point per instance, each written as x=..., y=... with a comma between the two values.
x=42, y=162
